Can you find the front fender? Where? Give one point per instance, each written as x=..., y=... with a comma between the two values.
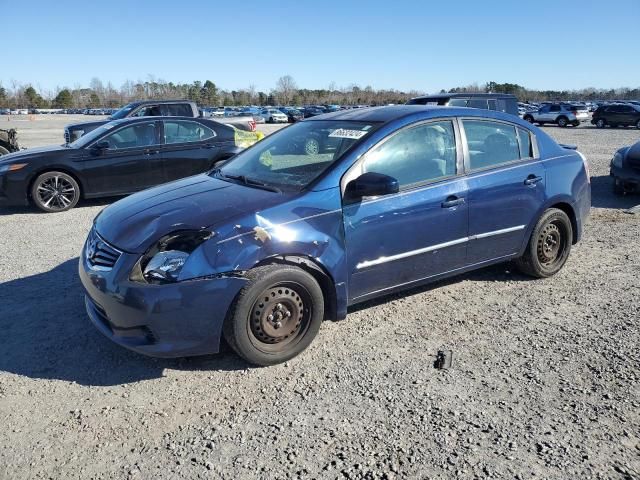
x=299, y=228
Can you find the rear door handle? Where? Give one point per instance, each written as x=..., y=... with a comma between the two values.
x=149, y=151
x=532, y=180
x=452, y=201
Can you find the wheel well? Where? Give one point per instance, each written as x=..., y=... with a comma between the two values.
x=63, y=170
x=568, y=209
x=316, y=271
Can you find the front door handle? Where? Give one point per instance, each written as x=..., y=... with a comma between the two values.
x=150, y=151
x=452, y=201
x=532, y=180
x=209, y=146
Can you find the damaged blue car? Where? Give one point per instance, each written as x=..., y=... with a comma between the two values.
x=277, y=239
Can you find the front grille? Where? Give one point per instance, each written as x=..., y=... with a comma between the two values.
x=100, y=255
x=67, y=136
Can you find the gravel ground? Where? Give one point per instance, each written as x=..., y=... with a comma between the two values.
x=544, y=384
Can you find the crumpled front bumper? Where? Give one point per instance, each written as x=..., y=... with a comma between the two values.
x=173, y=320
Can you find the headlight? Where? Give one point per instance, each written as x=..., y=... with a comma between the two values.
x=617, y=160
x=164, y=261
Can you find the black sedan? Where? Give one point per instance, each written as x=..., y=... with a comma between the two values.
x=118, y=158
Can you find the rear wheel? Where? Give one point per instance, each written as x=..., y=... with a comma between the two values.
x=3, y=151
x=600, y=123
x=549, y=246
x=275, y=316
x=638, y=125
x=528, y=118
x=562, y=121
x=55, y=192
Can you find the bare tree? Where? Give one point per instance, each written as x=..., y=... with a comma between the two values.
x=286, y=89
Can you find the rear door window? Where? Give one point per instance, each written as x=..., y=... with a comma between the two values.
x=490, y=144
x=186, y=132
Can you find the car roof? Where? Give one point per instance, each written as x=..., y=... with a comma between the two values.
x=392, y=113
x=157, y=102
x=466, y=95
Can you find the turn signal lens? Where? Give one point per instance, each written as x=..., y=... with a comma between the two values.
x=12, y=167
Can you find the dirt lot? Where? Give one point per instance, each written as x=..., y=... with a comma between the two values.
x=545, y=381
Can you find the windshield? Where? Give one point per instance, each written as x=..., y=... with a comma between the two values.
x=295, y=156
x=85, y=140
x=123, y=112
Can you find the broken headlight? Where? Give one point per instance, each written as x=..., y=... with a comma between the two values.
x=617, y=160
x=164, y=261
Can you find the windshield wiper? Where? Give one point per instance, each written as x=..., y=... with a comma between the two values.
x=248, y=181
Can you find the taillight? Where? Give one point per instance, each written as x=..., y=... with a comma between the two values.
x=252, y=125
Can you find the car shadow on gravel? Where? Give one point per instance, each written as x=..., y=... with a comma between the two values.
x=502, y=272
x=602, y=195
x=47, y=334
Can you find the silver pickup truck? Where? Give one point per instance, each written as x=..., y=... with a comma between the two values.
x=562, y=114
x=155, y=108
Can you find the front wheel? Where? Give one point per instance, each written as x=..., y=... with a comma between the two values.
x=3, y=151
x=55, y=192
x=549, y=246
x=528, y=118
x=275, y=316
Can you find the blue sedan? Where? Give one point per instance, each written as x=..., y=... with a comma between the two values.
x=279, y=238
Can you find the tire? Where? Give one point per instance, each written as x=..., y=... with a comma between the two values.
x=562, y=122
x=4, y=151
x=543, y=258
x=638, y=125
x=311, y=146
x=600, y=123
x=528, y=118
x=576, y=124
x=55, y=192
x=274, y=294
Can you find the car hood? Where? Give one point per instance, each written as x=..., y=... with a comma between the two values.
x=30, y=153
x=86, y=125
x=136, y=222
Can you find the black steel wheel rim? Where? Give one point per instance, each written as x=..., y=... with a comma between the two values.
x=280, y=317
x=56, y=192
x=552, y=244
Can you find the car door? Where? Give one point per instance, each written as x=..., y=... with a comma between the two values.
x=419, y=232
x=506, y=184
x=130, y=162
x=189, y=147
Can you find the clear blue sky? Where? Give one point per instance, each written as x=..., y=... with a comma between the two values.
x=386, y=44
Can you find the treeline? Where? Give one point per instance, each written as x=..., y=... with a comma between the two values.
x=286, y=92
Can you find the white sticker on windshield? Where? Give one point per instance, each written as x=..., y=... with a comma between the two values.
x=344, y=133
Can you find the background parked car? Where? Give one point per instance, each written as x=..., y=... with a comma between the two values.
x=293, y=114
x=562, y=115
x=625, y=170
x=118, y=158
x=501, y=102
x=273, y=115
x=617, y=114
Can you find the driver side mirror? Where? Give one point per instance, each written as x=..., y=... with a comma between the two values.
x=99, y=147
x=371, y=184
